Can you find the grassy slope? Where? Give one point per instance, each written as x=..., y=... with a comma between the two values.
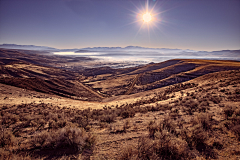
x=194, y=121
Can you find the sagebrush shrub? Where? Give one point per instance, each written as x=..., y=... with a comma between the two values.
x=152, y=128
x=129, y=112
x=41, y=140
x=204, y=119
x=82, y=121
x=165, y=147
x=236, y=130
x=6, y=138
x=195, y=137
x=228, y=111
x=166, y=124
x=171, y=148
x=107, y=118
x=68, y=139
x=128, y=153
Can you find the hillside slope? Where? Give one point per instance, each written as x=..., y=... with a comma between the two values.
x=46, y=80
x=157, y=75
x=197, y=119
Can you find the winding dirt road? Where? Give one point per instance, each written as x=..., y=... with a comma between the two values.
x=129, y=91
x=90, y=90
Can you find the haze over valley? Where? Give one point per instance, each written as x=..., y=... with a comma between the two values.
x=118, y=57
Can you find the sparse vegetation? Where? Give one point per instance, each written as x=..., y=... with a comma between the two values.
x=197, y=119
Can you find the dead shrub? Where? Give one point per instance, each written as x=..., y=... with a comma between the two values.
x=61, y=123
x=52, y=124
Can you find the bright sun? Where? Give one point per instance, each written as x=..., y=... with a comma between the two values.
x=147, y=17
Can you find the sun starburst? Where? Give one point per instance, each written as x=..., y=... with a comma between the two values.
x=147, y=17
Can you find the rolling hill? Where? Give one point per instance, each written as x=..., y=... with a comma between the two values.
x=177, y=109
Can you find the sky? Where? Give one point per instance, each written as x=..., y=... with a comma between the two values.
x=184, y=24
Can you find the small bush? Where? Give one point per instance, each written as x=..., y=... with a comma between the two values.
x=82, y=121
x=68, y=140
x=41, y=140
x=4, y=154
x=204, y=119
x=126, y=125
x=128, y=113
x=165, y=148
x=107, y=118
x=195, y=137
x=228, y=111
x=236, y=130
x=152, y=128
x=171, y=148
x=6, y=138
x=165, y=124
x=128, y=153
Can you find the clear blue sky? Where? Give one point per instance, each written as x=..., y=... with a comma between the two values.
x=184, y=24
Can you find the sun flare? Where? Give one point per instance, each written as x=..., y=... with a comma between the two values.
x=147, y=17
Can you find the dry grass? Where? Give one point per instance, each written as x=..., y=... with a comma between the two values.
x=193, y=120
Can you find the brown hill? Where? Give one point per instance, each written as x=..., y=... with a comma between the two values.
x=196, y=119
x=45, y=79
x=28, y=70
x=158, y=75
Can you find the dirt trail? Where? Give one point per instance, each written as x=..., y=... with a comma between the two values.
x=132, y=85
x=90, y=90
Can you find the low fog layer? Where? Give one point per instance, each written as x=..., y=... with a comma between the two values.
x=118, y=57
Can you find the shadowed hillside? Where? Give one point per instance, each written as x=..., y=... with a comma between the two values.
x=26, y=75
x=157, y=75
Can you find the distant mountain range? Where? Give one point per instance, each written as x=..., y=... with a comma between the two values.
x=131, y=50
x=33, y=47
x=27, y=47
x=95, y=49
